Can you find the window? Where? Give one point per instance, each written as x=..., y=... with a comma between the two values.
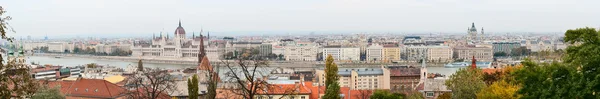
x=429, y=94
x=302, y=97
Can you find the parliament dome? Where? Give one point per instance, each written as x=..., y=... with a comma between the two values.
x=179, y=29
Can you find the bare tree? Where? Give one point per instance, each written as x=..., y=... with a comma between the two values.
x=150, y=83
x=246, y=75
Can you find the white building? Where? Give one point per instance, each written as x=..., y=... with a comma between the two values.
x=32, y=45
x=432, y=53
x=540, y=45
x=480, y=53
x=301, y=52
x=109, y=48
x=342, y=53
x=57, y=47
x=171, y=47
x=439, y=53
x=374, y=52
x=277, y=50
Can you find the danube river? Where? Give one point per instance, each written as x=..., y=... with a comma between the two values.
x=76, y=61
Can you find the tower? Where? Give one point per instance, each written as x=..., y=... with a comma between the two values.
x=21, y=55
x=482, y=35
x=179, y=32
x=472, y=32
x=473, y=63
x=11, y=53
x=201, y=51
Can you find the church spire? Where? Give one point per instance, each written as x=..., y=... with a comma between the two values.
x=473, y=63
x=179, y=22
x=201, y=52
x=481, y=30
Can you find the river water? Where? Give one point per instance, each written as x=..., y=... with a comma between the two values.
x=76, y=61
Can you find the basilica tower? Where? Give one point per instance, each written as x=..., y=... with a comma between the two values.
x=472, y=33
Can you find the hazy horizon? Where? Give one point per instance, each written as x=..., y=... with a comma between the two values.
x=72, y=18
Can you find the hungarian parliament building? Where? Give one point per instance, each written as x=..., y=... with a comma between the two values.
x=176, y=47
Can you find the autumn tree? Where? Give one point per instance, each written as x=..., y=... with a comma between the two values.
x=446, y=95
x=501, y=84
x=332, y=86
x=499, y=90
x=15, y=77
x=465, y=83
x=193, y=87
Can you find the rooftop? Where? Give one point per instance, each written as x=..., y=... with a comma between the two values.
x=96, y=88
x=360, y=71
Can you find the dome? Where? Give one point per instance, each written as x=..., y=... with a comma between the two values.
x=473, y=29
x=179, y=29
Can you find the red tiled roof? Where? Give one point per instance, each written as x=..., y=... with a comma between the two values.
x=45, y=68
x=277, y=89
x=354, y=94
x=95, y=88
x=405, y=72
x=205, y=65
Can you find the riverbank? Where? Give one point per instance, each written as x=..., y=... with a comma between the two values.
x=189, y=61
x=193, y=61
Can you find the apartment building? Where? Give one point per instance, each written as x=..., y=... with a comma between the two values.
x=432, y=53
x=342, y=53
x=505, y=47
x=391, y=52
x=300, y=52
x=57, y=47
x=359, y=78
x=375, y=52
x=413, y=53
x=480, y=53
x=404, y=78
x=439, y=53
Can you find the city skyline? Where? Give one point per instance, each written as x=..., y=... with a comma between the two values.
x=143, y=18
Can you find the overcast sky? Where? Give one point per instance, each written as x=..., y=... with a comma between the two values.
x=255, y=17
